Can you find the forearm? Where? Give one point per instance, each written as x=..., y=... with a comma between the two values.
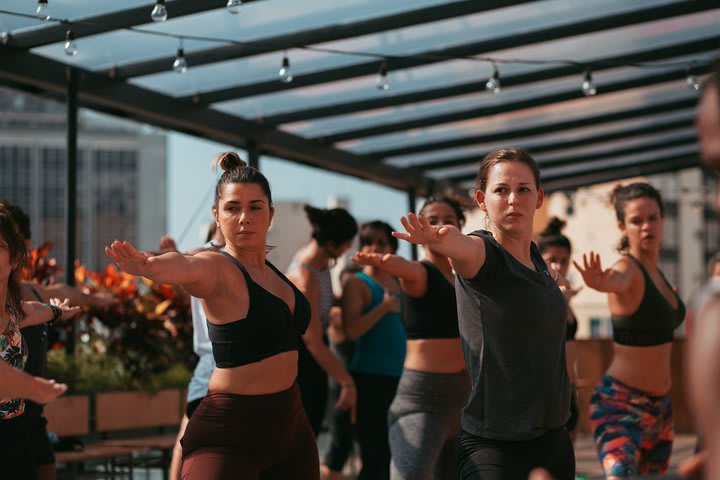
x=15, y=383
x=37, y=313
x=361, y=324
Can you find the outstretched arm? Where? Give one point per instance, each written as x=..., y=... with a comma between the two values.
x=18, y=384
x=172, y=268
x=412, y=275
x=616, y=279
x=466, y=253
x=37, y=313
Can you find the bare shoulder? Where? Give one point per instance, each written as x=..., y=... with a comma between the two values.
x=626, y=266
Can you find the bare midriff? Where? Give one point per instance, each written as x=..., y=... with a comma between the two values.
x=270, y=375
x=645, y=368
x=437, y=355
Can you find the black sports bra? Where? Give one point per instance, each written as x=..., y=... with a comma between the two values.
x=268, y=329
x=654, y=321
x=435, y=314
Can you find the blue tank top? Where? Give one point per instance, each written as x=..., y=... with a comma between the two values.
x=380, y=350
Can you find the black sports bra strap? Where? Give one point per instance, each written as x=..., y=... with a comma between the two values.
x=239, y=265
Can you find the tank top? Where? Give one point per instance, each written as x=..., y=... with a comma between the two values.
x=380, y=350
x=434, y=315
x=654, y=322
x=13, y=351
x=512, y=328
x=322, y=277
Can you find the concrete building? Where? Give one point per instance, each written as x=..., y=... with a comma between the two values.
x=121, y=176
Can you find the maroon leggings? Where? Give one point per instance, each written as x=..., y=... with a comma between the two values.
x=254, y=437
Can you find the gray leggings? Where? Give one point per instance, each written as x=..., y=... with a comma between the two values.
x=423, y=421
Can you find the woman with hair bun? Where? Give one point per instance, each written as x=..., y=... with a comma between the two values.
x=556, y=249
x=251, y=424
x=333, y=231
x=424, y=418
x=630, y=410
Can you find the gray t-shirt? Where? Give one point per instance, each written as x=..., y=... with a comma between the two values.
x=512, y=325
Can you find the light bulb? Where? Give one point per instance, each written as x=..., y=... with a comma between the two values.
x=588, y=86
x=70, y=47
x=42, y=12
x=493, y=83
x=382, y=80
x=159, y=12
x=180, y=64
x=692, y=82
x=233, y=6
x=284, y=72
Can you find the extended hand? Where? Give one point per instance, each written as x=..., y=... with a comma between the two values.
x=67, y=310
x=420, y=231
x=44, y=391
x=372, y=259
x=128, y=258
x=593, y=274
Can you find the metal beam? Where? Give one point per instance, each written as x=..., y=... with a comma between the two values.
x=253, y=154
x=528, y=132
x=582, y=141
x=71, y=167
x=539, y=101
x=323, y=34
x=608, y=174
x=412, y=207
x=385, y=101
x=22, y=69
x=55, y=32
x=512, y=40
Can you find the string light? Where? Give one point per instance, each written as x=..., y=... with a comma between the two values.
x=588, y=86
x=159, y=12
x=70, y=46
x=382, y=80
x=493, y=83
x=284, y=72
x=180, y=64
x=42, y=12
x=691, y=80
x=233, y=6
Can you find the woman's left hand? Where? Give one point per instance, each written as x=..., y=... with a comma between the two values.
x=67, y=310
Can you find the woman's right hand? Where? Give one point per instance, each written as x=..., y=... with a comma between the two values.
x=128, y=257
x=348, y=399
x=392, y=302
x=420, y=231
x=593, y=274
x=45, y=391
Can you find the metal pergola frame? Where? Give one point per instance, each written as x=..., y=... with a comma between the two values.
x=108, y=90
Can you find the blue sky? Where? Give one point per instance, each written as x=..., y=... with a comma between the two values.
x=191, y=187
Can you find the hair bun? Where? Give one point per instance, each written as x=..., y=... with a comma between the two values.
x=228, y=161
x=554, y=227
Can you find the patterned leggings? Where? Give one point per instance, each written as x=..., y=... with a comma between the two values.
x=632, y=429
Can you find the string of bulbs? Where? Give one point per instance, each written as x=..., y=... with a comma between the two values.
x=180, y=65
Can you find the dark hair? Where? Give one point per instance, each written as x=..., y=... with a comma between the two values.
x=18, y=255
x=235, y=170
x=454, y=204
x=377, y=226
x=505, y=155
x=622, y=194
x=552, y=236
x=22, y=221
x=334, y=225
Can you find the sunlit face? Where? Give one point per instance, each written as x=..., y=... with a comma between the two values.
x=708, y=126
x=643, y=224
x=511, y=196
x=560, y=256
x=715, y=270
x=375, y=241
x=244, y=215
x=440, y=213
x=6, y=264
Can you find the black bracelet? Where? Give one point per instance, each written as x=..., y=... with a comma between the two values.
x=56, y=311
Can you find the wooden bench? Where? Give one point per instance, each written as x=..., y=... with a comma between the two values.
x=123, y=424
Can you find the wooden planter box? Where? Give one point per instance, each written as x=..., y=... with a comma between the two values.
x=69, y=415
x=135, y=410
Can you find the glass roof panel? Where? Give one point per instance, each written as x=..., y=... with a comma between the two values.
x=61, y=9
x=585, y=48
x=579, y=108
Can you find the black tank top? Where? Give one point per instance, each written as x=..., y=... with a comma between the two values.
x=268, y=329
x=654, y=321
x=433, y=315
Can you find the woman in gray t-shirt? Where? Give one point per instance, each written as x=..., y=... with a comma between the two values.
x=512, y=318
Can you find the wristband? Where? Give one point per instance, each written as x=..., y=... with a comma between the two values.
x=56, y=312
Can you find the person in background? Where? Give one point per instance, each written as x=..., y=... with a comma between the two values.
x=630, y=410
x=333, y=231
